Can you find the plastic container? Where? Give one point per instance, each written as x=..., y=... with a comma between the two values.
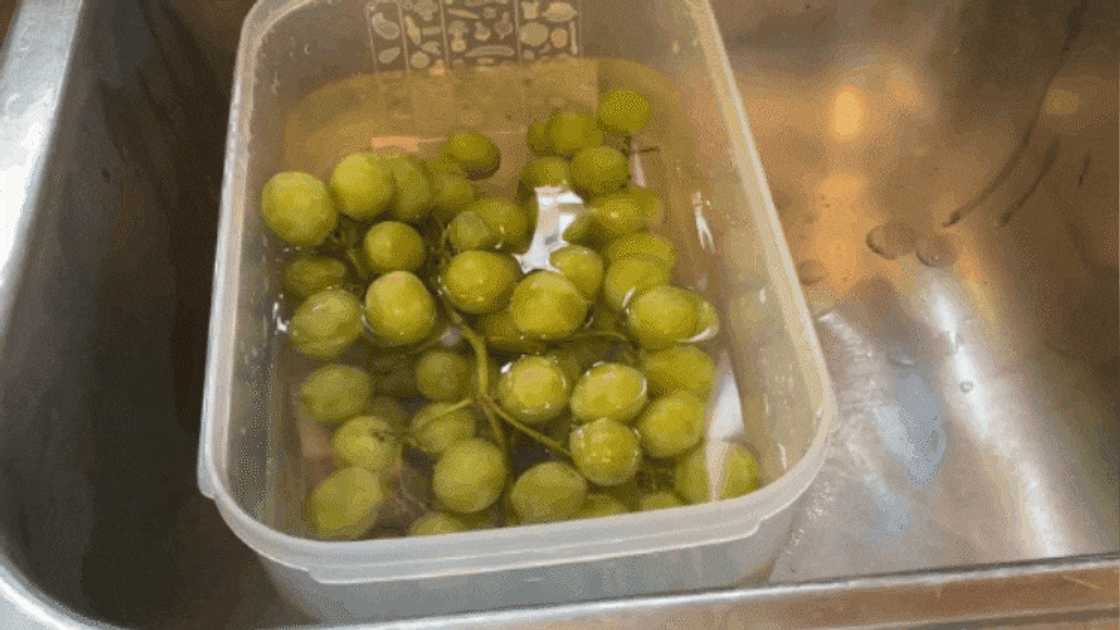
x=296, y=105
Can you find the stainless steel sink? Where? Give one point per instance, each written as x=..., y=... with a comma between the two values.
x=947, y=176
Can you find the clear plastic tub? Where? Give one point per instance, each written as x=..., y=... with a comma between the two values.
x=314, y=81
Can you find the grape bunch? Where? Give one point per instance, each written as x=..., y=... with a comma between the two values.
x=521, y=395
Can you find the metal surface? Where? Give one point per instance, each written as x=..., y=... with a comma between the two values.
x=979, y=397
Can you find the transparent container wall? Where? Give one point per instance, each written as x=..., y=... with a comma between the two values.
x=317, y=97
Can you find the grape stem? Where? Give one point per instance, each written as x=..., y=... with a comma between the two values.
x=539, y=437
x=606, y=334
x=482, y=369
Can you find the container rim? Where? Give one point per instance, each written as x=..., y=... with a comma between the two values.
x=506, y=548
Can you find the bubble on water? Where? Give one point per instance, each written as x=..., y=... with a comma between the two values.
x=966, y=386
x=936, y=251
x=891, y=240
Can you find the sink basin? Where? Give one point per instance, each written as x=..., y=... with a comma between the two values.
x=946, y=175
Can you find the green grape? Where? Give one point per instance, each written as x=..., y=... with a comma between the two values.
x=344, y=505
x=601, y=170
x=502, y=334
x=605, y=318
x=582, y=265
x=451, y=193
x=617, y=214
x=547, y=492
x=568, y=360
x=629, y=276
x=444, y=164
x=545, y=171
x=387, y=408
x=443, y=375
x=479, y=282
x=534, y=390
x=470, y=476
x=434, y=523
x=486, y=519
x=624, y=112
x=672, y=424
x=609, y=390
x=598, y=505
x=606, y=452
x=399, y=382
x=386, y=360
x=366, y=442
x=297, y=207
x=583, y=230
x=468, y=231
x=740, y=473
x=306, y=275
x=662, y=316
x=679, y=368
x=546, y=305
x=362, y=186
x=589, y=351
x=568, y=132
x=326, y=323
x=505, y=219
x=537, y=138
x=642, y=243
x=399, y=309
x=659, y=500
x=335, y=392
x=394, y=246
x=414, y=198
x=653, y=208
x=438, y=426
x=478, y=154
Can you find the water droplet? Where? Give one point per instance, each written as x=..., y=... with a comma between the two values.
x=811, y=272
x=936, y=251
x=891, y=240
x=966, y=386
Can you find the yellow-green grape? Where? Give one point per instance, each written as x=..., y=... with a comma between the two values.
x=568, y=132
x=297, y=207
x=606, y=452
x=546, y=305
x=643, y=243
x=344, y=505
x=434, y=523
x=326, y=323
x=451, y=193
x=545, y=171
x=598, y=505
x=534, y=390
x=366, y=442
x=629, y=276
x=468, y=231
x=672, y=424
x=414, y=198
x=582, y=265
x=335, y=392
x=486, y=519
x=479, y=282
x=478, y=154
x=624, y=112
x=470, y=476
x=438, y=426
x=609, y=390
x=568, y=361
x=588, y=351
x=583, y=230
x=399, y=309
x=662, y=316
x=399, y=382
x=605, y=318
x=362, y=186
x=653, y=208
x=394, y=246
x=601, y=170
x=388, y=408
x=443, y=375
x=547, y=492
x=537, y=137
x=617, y=214
x=502, y=334
x=739, y=473
x=444, y=164
x=506, y=219
x=659, y=500
x=305, y=275
x=679, y=368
